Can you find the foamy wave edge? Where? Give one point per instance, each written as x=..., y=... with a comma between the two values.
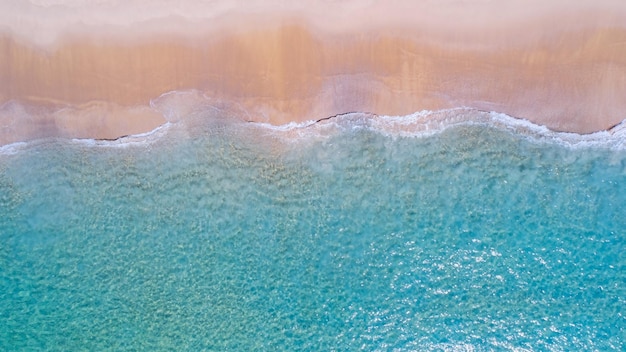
x=140, y=139
x=427, y=123
x=420, y=124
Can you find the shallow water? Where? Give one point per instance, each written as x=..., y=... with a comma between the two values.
x=230, y=236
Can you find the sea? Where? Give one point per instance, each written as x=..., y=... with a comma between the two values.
x=451, y=230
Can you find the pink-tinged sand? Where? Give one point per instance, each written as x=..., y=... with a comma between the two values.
x=562, y=72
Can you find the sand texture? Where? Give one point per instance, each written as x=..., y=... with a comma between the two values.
x=99, y=84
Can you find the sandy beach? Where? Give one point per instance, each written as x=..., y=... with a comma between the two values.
x=558, y=65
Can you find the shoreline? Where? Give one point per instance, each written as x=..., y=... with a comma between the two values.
x=287, y=70
x=420, y=124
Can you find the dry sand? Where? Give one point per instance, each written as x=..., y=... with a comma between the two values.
x=562, y=69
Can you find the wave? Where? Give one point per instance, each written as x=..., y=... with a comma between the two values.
x=427, y=123
x=141, y=139
x=13, y=148
x=134, y=140
x=194, y=113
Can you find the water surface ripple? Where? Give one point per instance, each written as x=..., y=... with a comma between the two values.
x=219, y=237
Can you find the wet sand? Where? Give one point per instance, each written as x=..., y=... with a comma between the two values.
x=98, y=82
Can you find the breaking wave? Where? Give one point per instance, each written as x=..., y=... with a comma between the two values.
x=194, y=113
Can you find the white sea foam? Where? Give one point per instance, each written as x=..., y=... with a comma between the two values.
x=288, y=127
x=190, y=109
x=428, y=123
x=13, y=148
x=136, y=140
x=140, y=139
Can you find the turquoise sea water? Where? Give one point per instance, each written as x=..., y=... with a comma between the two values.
x=229, y=236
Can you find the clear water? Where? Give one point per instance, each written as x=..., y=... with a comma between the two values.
x=230, y=236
